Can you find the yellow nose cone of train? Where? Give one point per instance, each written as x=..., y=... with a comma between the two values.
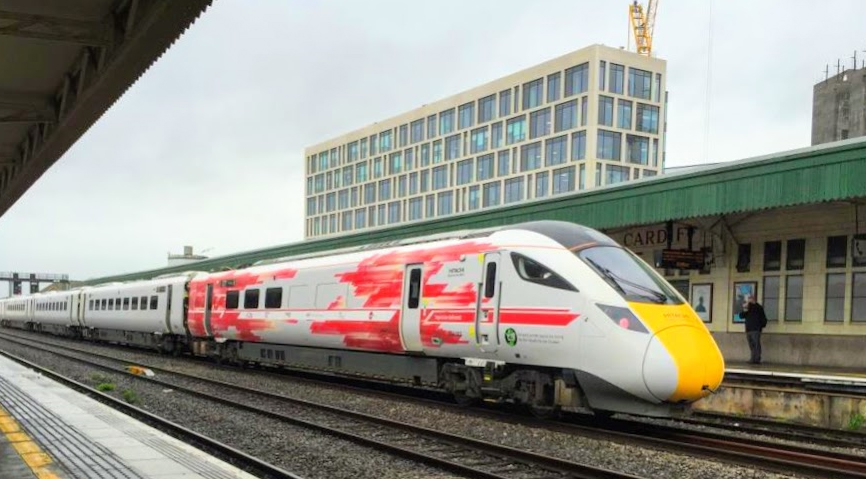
x=700, y=366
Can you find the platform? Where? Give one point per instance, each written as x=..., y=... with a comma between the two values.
x=818, y=396
x=48, y=431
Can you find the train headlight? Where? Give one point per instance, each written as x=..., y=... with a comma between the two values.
x=623, y=317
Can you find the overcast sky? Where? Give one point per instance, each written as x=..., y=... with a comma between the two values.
x=207, y=147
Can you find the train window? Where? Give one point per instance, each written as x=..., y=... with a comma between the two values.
x=111, y=304
x=90, y=305
x=414, y=288
x=251, y=299
x=154, y=302
x=490, y=281
x=629, y=275
x=232, y=299
x=273, y=298
x=134, y=304
x=143, y=303
x=125, y=304
x=104, y=304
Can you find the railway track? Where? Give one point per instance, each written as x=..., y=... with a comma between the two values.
x=777, y=457
x=234, y=456
x=459, y=454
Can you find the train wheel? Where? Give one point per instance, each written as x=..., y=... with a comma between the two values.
x=544, y=411
x=463, y=400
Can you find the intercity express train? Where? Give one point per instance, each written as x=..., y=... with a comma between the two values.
x=547, y=314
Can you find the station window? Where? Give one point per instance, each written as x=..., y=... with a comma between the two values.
x=135, y=303
x=772, y=256
x=795, y=257
x=154, y=302
x=834, y=298
x=251, y=299
x=273, y=298
x=794, y=298
x=858, y=298
x=837, y=251
x=232, y=299
x=771, y=297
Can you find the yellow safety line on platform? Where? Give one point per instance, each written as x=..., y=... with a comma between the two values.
x=33, y=455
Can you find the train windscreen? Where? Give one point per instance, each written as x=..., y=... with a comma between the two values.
x=630, y=276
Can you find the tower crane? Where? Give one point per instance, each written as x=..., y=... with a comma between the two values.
x=642, y=25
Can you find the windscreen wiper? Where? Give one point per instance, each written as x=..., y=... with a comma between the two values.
x=656, y=296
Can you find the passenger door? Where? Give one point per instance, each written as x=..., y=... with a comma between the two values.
x=487, y=312
x=410, y=319
x=208, y=306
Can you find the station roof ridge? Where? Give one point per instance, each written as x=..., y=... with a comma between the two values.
x=823, y=173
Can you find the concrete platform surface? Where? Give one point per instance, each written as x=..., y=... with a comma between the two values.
x=816, y=374
x=48, y=431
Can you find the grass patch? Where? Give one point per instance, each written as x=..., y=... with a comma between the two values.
x=129, y=396
x=98, y=378
x=856, y=421
x=105, y=387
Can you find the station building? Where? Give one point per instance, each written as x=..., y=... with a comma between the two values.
x=787, y=227
x=589, y=118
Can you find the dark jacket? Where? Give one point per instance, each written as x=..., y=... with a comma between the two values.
x=755, y=317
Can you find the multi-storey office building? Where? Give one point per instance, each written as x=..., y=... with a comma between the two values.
x=589, y=118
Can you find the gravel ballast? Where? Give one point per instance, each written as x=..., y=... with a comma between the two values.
x=301, y=450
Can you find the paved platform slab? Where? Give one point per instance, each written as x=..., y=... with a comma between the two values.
x=52, y=432
x=805, y=374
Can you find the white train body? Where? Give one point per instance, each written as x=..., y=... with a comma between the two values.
x=540, y=313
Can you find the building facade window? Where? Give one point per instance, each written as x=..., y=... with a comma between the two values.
x=639, y=83
x=413, y=183
x=385, y=141
x=837, y=251
x=504, y=103
x=605, y=110
x=515, y=130
x=556, y=151
x=385, y=190
x=602, y=68
x=474, y=198
x=415, y=209
x=430, y=206
x=771, y=288
x=431, y=127
x=395, y=163
x=446, y=122
x=794, y=298
x=578, y=145
x=539, y=123
x=425, y=155
x=440, y=177
x=647, y=118
x=485, y=167
x=487, y=108
x=772, y=256
x=532, y=93
x=452, y=147
x=795, y=257
x=504, y=164
x=623, y=114
x=616, y=174
x=530, y=156
x=466, y=115
x=565, y=116
x=478, y=140
x=464, y=171
x=541, y=184
x=858, y=298
x=424, y=185
x=563, y=180
x=554, y=86
x=617, y=78
x=491, y=196
x=657, y=88
x=577, y=79
x=496, y=135
x=418, y=131
x=404, y=135
x=445, y=203
x=637, y=149
x=437, y=151
x=834, y=298
x=584, y=109
x=513, y=190
x=608, y=145
x=582, y=176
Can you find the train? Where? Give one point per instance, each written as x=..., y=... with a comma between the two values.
x=545, y=314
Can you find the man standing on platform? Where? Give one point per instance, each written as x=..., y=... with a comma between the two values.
x=756, y=321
